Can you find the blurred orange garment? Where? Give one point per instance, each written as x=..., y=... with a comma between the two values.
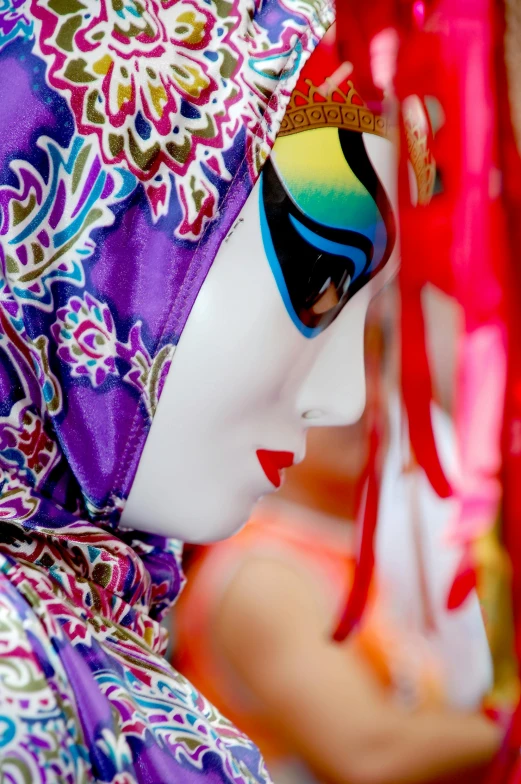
x=320, y=548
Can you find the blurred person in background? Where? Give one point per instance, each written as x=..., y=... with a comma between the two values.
x=253, y=632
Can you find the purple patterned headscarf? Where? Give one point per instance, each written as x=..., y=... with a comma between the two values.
x=131, y=132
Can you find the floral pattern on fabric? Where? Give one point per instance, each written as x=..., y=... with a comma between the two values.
x=85, y=334
x=86, y=338
x=14, y=21
x=49, y=223
x=140, y=712
x=131, y=133
x=163, y=86
x=36, y=706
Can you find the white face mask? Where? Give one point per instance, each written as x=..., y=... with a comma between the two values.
x=245, y=383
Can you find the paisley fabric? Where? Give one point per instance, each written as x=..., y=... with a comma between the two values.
x=131, y=132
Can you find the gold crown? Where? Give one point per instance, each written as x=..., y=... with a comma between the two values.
x=349, y=111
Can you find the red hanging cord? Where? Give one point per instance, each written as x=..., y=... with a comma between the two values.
x=357, y=600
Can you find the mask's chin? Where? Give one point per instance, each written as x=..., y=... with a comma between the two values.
x=215, y=531
x=227, y=520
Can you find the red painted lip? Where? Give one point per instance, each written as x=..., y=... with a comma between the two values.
x=273, y=462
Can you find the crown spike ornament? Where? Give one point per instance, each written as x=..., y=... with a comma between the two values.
x=336, y=108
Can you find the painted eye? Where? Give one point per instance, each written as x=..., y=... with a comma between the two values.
x=327, y=288
x=327, y=299
x=323, y=228
x=327, y=284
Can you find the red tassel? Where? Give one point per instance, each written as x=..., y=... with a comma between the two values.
x=417, y=393
x=416, y=375
x=464, y=582
x=364, y=569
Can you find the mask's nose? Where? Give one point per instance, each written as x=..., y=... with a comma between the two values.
x=333, y=392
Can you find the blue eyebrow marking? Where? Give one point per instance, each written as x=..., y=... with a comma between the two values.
x=356, y=255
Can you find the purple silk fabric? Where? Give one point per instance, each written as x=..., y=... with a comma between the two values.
x=130, y=136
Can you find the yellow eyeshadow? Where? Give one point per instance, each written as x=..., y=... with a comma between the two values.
x=318, y=178
x=315, y=156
